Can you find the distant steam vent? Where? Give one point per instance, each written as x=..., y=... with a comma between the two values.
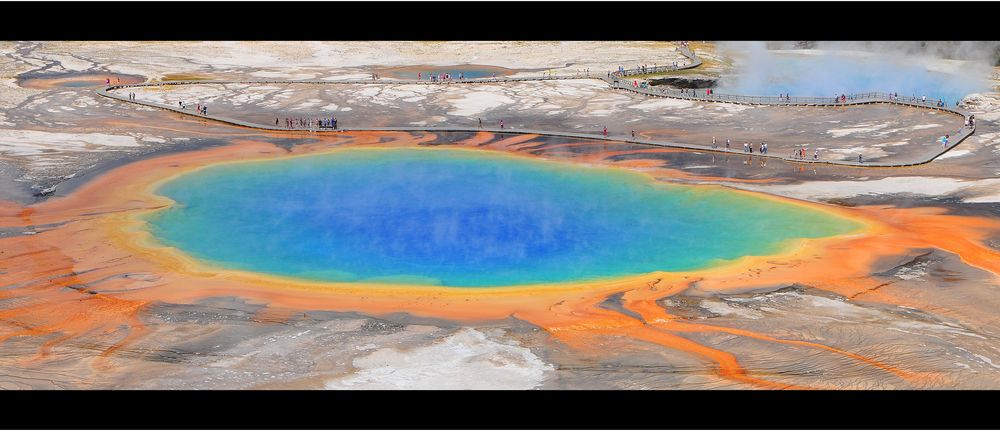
x=937, y=70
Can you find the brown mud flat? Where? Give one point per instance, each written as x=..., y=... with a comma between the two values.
x=93, y=269
x=184, y=77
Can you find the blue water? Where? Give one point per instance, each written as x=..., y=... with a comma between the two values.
x=831, y=75
x=464, y=218
x=471, y=72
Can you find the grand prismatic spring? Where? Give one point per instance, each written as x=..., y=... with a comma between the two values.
x=494, y=215
x=464, y=218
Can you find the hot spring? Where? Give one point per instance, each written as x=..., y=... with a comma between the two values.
x=468, y=71
x=465, y=218
x=830, y=74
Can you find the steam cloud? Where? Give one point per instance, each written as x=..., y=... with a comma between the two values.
x=947, y=70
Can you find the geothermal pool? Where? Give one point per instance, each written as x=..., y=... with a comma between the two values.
x=832, y=74
x=469, y=71
x=465, y=218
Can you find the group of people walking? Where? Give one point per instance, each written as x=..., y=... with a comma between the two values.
x=441, y=77
x=762, y=148
x=308, y=123
x=748, y=147
x=199, y=108
x=801, y=152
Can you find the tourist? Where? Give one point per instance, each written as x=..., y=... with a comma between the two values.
x=605, y=131
x=501, y=124
x=727, y=143
x=944, y=142
x=816, y=154
x=859, y=159
x=713, y=142
x=633, y=134
x=745, y=147
x=480, y=123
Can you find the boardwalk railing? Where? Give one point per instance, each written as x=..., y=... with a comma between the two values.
x=616, y=83
x=849, y=99
x=684, y=50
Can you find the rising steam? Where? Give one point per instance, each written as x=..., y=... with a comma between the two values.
x=947, y=70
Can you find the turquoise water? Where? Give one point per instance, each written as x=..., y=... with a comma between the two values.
x=470, y=71
x=464, y=218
